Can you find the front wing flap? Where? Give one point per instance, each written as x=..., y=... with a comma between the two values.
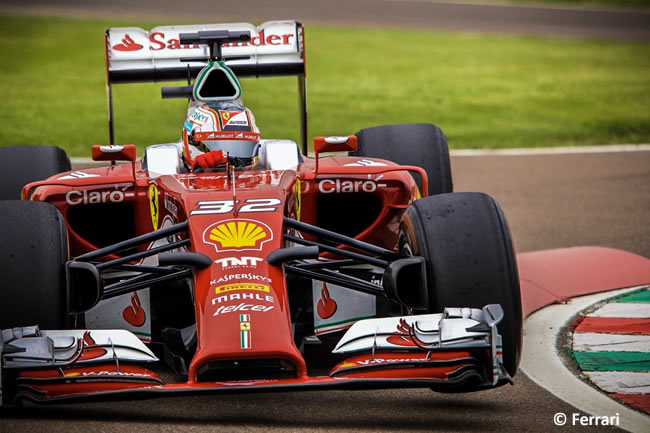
x=457, y=350
x=459, y=341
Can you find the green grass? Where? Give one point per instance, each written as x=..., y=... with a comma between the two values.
x=609, y=4
x=483, y=91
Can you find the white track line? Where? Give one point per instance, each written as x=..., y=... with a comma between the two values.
x=501, y=152
x=552, y=150
x=542, y=363
x=540, y=5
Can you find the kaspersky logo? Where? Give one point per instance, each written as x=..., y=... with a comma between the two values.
x=127, y=44
x=237, y=235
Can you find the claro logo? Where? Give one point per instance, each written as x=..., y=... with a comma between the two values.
x=116, y=195
x=328, y=186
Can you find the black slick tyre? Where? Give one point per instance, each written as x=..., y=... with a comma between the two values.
x=465, y=240
x=33, y=252
x=418, y=144
x=20, y=165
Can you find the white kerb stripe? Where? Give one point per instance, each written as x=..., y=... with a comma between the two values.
x=624, y=382
x=623, y=309
x=596, y=342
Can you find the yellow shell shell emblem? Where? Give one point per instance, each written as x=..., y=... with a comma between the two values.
x=153, y=204
x=238, y=235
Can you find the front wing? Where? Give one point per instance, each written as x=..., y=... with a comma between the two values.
x=457, y=350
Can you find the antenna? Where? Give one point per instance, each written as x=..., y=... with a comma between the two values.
x=214, y=39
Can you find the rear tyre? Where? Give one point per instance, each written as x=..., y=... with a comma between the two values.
x=470, y=260
x=418, y=144
x=20, y=165
x=33, y=252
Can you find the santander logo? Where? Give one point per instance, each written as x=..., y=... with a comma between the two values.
x=134, y=314
x=91, y=352
x=326, y=306
x=160, y=41
x=127, y=44
x=405, y=338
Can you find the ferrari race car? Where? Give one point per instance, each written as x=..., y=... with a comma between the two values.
x=354, y=268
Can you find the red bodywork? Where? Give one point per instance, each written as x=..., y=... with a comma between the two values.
x=239, y=314
x=244, y=315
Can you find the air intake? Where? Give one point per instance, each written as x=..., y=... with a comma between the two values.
x=246, y=369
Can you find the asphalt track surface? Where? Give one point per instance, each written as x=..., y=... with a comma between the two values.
x=421, y=14
x=550, y=201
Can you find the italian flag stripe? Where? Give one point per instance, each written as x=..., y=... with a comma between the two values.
x=612, y=347
x=624, y=382
x=614, y=325
x=613, y=361
x=597, y=342
x=245, y=336
x=639, y=401
x=631, y=310
x=245, y=339
x=642, y=296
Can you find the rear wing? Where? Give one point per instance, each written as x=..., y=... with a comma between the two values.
x=134, y=55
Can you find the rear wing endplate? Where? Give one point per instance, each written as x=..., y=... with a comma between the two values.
x=134, y=55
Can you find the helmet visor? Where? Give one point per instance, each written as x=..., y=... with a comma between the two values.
x=240, y=144
x=236, y=148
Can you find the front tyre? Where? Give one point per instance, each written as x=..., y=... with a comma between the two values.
x=470, y=260
x=20, y=165
x=33, y=252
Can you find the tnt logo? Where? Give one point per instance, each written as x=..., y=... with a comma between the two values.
x=235, y=262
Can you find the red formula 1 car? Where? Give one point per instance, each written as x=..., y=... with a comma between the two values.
x=230, y=263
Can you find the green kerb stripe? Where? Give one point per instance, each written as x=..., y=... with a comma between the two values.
x=642, y=296
x=613, y=361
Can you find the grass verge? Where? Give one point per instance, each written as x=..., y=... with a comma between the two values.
x=605, y=4
x=483, y=91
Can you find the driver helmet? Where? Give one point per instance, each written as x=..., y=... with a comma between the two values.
x=226, y=126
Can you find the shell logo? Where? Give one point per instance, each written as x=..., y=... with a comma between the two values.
x=237, y=235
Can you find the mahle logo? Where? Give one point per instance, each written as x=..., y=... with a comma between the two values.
x=237, y=235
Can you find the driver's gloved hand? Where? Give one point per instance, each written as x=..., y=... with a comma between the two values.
x=208, y=160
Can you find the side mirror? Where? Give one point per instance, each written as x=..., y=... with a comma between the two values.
x=127, y=152
x=405, y=280
x=85, y=286
x=335, y=144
